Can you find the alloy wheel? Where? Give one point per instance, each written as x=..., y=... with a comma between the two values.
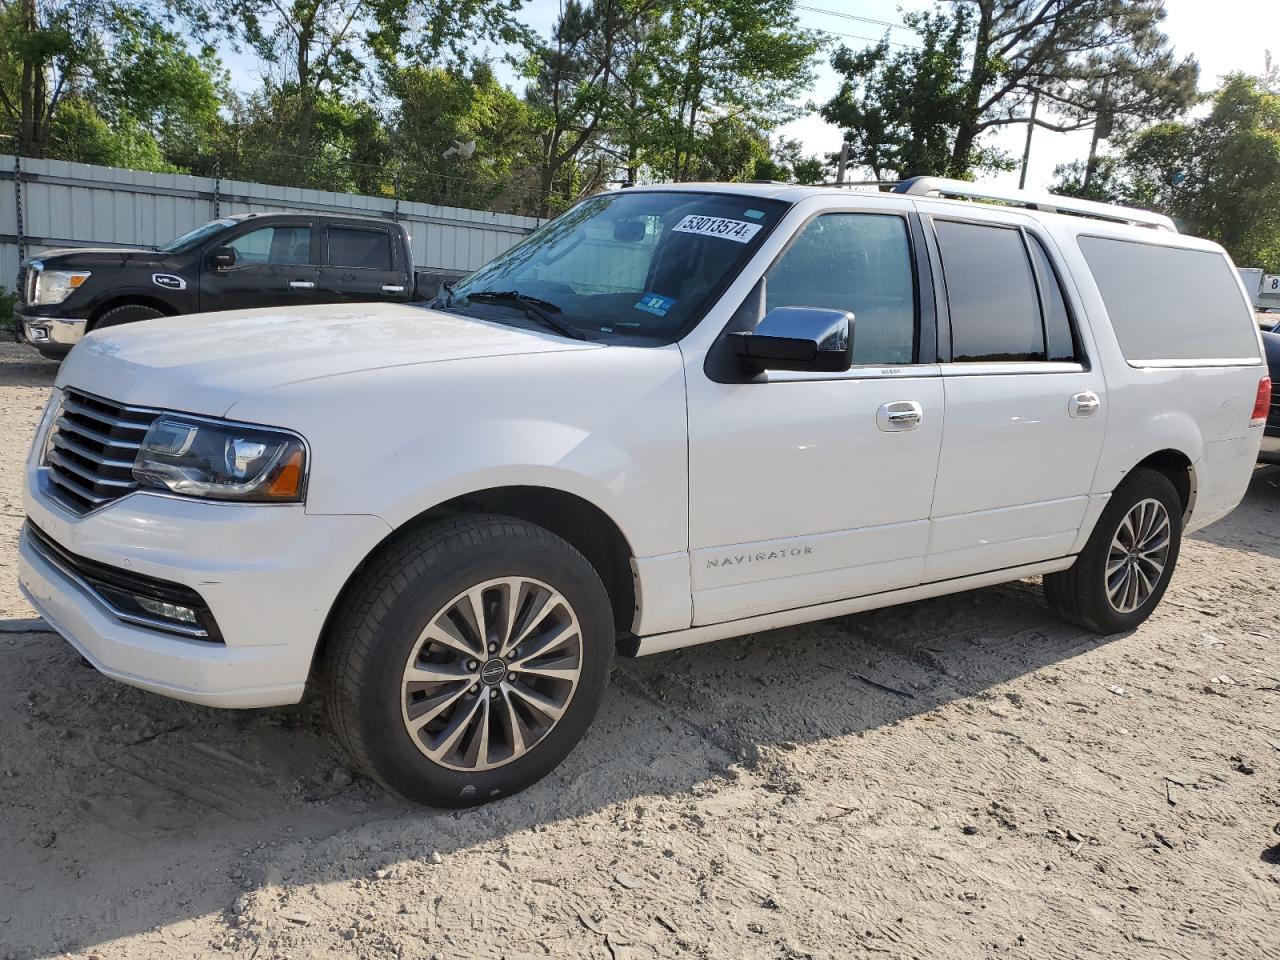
x=492, y=674
x=1138, y=555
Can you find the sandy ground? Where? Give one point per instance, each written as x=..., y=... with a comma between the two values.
x=959, y=778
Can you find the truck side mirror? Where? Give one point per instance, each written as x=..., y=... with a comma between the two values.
x=222, y=258
x=811, y=339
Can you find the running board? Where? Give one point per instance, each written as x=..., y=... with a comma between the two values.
x=662, y=642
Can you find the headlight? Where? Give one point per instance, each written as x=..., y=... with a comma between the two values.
x=54, y=286
x=222, y=461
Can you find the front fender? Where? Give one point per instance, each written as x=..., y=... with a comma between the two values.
x=608, y=426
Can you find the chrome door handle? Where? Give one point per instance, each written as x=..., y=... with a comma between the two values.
x=1084, y=404
x=899, y=415
x=300, y=284
x=392, y=288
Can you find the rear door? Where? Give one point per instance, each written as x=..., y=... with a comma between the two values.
x=363, y=262
x=1025, y=405
x=275, y=266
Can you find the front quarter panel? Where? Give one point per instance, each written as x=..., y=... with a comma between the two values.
x=607, y=425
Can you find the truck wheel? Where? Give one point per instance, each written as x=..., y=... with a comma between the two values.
x=125, y=313
x=1125, y=567
x=469, y=659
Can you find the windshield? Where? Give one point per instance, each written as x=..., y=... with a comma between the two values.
x=196, y=237
x=628, y=264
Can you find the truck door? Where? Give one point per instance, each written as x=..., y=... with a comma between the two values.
x=362, y=263
x=1026, y=410
x=812, y=487
x=275, y=266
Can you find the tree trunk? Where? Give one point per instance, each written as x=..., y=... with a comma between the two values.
x=979, y=76
x=32, y=73
x=1026, y=151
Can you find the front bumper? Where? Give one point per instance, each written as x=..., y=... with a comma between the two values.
x=52, y=333
x=268, y=574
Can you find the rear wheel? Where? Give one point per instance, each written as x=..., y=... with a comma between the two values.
x=469, y=660
x=125, y=313
x=1125, y=568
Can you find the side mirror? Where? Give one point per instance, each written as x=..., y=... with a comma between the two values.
x=798, y=338
x=222, y=258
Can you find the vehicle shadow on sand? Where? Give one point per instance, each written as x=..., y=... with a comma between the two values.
x=125, y=811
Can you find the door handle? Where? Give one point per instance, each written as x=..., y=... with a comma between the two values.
x=393, y=288
x=1084, y=404
x=899, y=415
x=300, y=285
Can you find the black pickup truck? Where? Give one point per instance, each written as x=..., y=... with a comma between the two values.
x=249, y=260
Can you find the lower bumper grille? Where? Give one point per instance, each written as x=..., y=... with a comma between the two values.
x=128, y=596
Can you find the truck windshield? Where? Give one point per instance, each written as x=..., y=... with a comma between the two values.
x=196, y=237
x=640, y=265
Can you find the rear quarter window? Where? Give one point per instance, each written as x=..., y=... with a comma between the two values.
x=1167, y=303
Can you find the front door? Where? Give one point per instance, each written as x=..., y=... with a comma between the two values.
x=275, y=266
x=1025, y=408
x=806, y=488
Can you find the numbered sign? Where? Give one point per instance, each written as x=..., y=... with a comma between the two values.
x=1271, y=285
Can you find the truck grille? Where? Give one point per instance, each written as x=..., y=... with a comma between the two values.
x=92, y=447
x=27, y=277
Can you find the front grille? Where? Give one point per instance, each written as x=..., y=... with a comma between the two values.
x=26, y=284
x=92, y=448
x=119, y=590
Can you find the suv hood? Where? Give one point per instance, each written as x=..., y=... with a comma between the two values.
x=204, y=363
x=66, y=257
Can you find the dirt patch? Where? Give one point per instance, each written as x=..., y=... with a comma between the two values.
x=961, y=778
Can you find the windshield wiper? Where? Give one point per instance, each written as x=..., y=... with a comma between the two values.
x=533, y=307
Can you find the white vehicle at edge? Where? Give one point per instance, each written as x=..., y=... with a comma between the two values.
x=672, y=415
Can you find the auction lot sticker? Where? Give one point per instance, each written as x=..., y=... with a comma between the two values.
x=739, y=231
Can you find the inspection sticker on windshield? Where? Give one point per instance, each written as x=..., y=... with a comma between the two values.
x=739, y=231
x=655, y=303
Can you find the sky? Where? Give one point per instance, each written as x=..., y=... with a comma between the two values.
x=1224, y=35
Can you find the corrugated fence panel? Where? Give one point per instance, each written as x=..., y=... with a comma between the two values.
x=76, y=204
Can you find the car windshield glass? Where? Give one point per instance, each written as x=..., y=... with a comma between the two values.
x=640, y=265
x=195, y=237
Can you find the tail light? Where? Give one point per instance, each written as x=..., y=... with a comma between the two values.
x=1261, y=404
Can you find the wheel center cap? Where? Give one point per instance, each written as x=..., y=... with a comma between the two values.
x=493, y=672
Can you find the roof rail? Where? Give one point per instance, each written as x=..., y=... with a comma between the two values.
x=1047, y=202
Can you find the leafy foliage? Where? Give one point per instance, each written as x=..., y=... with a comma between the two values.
x=1219, y=174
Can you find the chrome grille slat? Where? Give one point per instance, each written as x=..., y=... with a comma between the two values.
x=77, y=488
x=63, y=441
x=70, y=426
x=91, y=450
x=66, y=463
x=73, y=406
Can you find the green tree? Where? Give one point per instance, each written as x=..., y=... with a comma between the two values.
x=980, y=64
x=900, y=110
x=438, y=107
x=1218, y=175
x=104, y=81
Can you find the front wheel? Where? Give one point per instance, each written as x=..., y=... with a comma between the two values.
x=1125, y=567
x=469, y=659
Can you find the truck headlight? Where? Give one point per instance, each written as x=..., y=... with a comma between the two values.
x=54, y=286
x=222, y=461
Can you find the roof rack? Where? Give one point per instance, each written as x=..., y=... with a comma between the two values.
x=1047, y=202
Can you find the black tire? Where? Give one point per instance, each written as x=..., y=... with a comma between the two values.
x=1079, y=595
x=125, y=313
x=379, y=625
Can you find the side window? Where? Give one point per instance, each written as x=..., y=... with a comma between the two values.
x=860, y=262
x=285, y=245
x=991, y=293
x=1060, y=343
x=354, y=247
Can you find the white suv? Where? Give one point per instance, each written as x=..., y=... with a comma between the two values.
x=672, y=415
